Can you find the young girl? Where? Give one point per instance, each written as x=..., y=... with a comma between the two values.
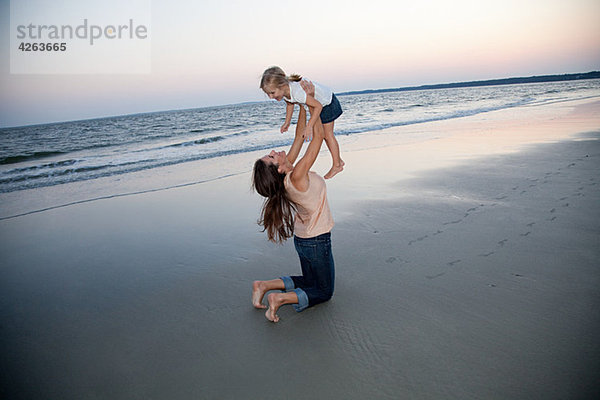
x=323, y=104
x=296, y=204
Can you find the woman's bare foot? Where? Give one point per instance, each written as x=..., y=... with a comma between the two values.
x=275, y=301
x=335, y=170
x=258, y=292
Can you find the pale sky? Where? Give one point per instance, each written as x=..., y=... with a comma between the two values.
x=213, y=52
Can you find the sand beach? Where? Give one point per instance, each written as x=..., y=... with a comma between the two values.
x=467, y=267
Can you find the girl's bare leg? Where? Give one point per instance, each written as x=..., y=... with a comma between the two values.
x=334, y=149
x=276, y=300
x=259, y=288
x=332, y=145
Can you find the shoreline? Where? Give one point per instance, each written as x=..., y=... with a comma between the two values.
x=414, y=137
x=466, y=267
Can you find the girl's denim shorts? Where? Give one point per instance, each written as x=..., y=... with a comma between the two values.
x=331, y=111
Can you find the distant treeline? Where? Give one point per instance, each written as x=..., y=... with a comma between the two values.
x=492, y=82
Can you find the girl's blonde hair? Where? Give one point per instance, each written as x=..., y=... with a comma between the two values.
x=275, y=76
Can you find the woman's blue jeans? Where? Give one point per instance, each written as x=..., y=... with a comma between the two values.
x=318, y=273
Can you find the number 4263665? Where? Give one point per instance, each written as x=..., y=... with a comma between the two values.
x=42, y=46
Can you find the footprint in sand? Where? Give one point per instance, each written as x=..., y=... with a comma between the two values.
x=531, y=224
x=487, y=254
x=502, y=242
x=525, y=234
x=435, y=276
x=452, y=263
x=551, y=219
x=418, y=239
x=392, y=259
x=452, y=222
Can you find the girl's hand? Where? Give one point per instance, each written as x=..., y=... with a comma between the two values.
x=308, y=134
x=284, y=127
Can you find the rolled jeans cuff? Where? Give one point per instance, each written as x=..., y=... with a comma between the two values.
x=288, y=282
x=302, y=300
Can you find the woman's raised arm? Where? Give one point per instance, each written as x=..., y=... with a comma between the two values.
x=299, y=175
x=299, y=138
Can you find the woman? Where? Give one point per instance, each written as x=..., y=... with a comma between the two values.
x=296, y=204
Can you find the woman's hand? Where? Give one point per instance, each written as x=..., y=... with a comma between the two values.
x=284, y=127
x=308, y=134
x=308, y=87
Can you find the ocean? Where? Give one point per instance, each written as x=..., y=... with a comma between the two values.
x=59, y=153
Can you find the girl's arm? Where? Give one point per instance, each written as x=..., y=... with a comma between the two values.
x=299, y=138
x=289, y=111
x=299, y=176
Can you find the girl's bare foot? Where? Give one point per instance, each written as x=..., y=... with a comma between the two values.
x=335, y=170
x=258, y=292
x=275, y=301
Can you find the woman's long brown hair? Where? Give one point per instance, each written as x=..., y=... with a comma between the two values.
x=277, y=215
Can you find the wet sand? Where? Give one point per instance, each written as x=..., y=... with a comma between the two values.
x=466, y=266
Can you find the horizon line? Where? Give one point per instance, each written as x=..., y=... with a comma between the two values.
x=488, y=82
